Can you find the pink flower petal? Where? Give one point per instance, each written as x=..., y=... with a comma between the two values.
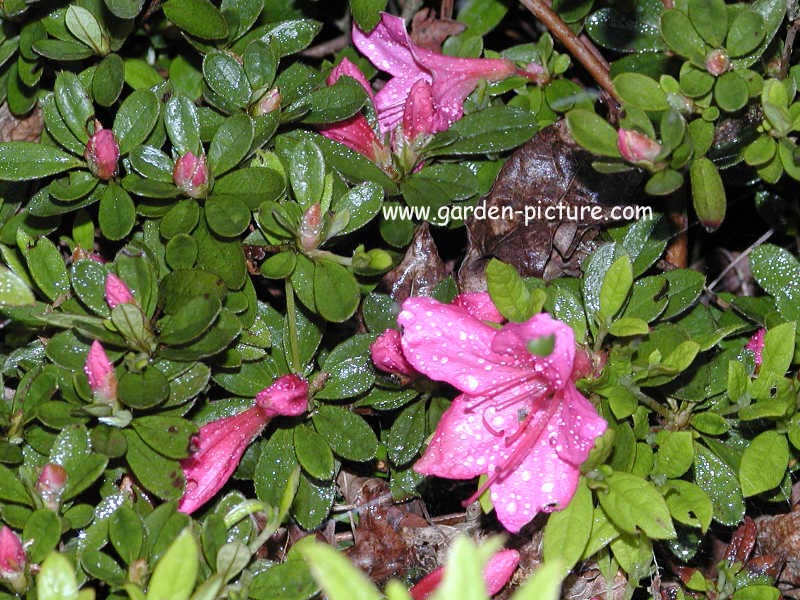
x=418, y=113
x=117, y=292
x=756, y=344
x=349, y=68
x=479, y=305
x=12, y=555
x=287, y=396
x=387, y=354
x=499, y=570
x=100, y=373
x=220, y=445
x=356, y=134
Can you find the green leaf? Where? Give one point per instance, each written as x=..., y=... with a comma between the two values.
x=778, y=351
x=126, y=533
x=592, y=132
x=169, y=436
x=46, y=267
x=633, y=503
x=117, y=212
x=21, y=161
x=135, y=119
x=509, y=293
x=710, y=20
x=336, y=575
x=491, y=130
x=162, y=476
x=13, y=289
x=349, y=369
x=227, y=217
x=226, y=77
x=773, y=13
x=640, y=91
x=290, y=580
x=689, y=504
x=313, y=453
x=675, y=453
x=230, y=144
x=10, y=487
x=276, y=462
x=708, y=193
x=361, y=203
x=407, y=434
x=125, y=9
x=624, y=30
x=312, y=503
x=108, y=80
x=336, y=293
x=616, y=286
x=438, y=185
x=682, y=37
x=182, y=122
x=332, y=103
x=74, y=104
x=746, y=32
x=307, y=172
x=730, y=91
x=567, y=531
x=251, y=186
x=84, y=26
x=199, y=18
x=260, y=64
x=60, y=50
x=176, y=573
x=764, y=463
x=56, y=579
x=719, y=481
x=41, y=534
x=348, y=434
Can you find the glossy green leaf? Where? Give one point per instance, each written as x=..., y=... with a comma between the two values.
x=13, y=289
x=199, y=18
x=135, y=119
x=633, y=503
x=640, y=91
x=182, y=123
x=708, y=193
x=117, y=212
x=491, y=130
x=175, y=574
x=592, y=132
x=251, y=186
x=108, y=80
x=710, y=19
x=225, y=76
x=126, y=533
x=160, y=475
x=20, y=161
x=764, y=463
x=719, y=481
x=230, y=144
x=313, y=453
x=169, y=436
x=567, y=531
x=682, y=37
x=336, y=293
x=616, y=286
x=74, y=104
x=348, y=434
x=84, y=26
x=56, y=579
x=125, y=9
x=41, y=534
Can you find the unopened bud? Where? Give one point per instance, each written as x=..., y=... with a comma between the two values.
x=310, y=231
x=191, y=175
x=12, y=561
x=50, y=485
x=636, y=147
x=102, y=154
x=269, y=102
x=717, y=62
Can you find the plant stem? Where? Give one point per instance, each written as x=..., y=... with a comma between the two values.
x=573, y=43
x=291, y=318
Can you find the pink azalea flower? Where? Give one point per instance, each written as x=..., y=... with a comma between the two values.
x=756, y=345
x=520, y=418
x=117, y=292
x=100, y=373
x=221, y=443
x=496, y=574
x=451, y=79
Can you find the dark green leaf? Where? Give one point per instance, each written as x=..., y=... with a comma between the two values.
x=117, y=212
x=347, y=433
x=492, y=130
x=162, y=476
x=592, y=132
x=135, y=119
x=708, y=193
x=336, y=293
x=197, y=17
x=108, y=79
x=313, y=453
x=20, y=161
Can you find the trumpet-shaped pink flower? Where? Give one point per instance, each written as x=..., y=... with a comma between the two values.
x=117, y=292
x=496, y=574
x=756, y=345
x=100, y=373
x=520, y=419
x=451, y=79
x=221, y=443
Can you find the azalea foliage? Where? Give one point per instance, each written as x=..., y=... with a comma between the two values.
x=213, y=324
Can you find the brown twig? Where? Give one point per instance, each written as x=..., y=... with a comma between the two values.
x=327, y=47
x=788, y=46
x=446, y=10
x=579, y=49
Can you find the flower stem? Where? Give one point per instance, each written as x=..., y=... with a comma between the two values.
x=291, y=318
x=573, y=43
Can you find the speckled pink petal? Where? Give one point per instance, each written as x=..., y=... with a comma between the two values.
x=418, y=113
x=116, y=291
x=579, y=426
x=388, y=46
x=390, y=101
x=100, y=373
x=220, y=445
x=756, y=344
x=447, y=344
x=287, y=396
x=356, y=134
x=349, y=68
x=387, y=354
x=557, y=367
x=499, y=570
x=479, y=305
x=463, y=446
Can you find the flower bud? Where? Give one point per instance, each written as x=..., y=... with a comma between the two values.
x=387, y=355
x=756, y=345
x=50, y=485
x=310, y=231
x=12, y=560
x=191, y=175
x=269, y=102
x=717, y=62
x=102, y=154
x=636, y=147
x=117, y=292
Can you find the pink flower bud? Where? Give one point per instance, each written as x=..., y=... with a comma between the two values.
x=100, y=373
x=310, y=230
x=387, y=354
x=117, y=292
x=636, y=147
x=50, y=485
x=496, y=574
x=102, y=154
x=756, y=345
x=418, y=113
x=12, y=560
x=717, y=62
x=191, y=175
x=269, y=102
